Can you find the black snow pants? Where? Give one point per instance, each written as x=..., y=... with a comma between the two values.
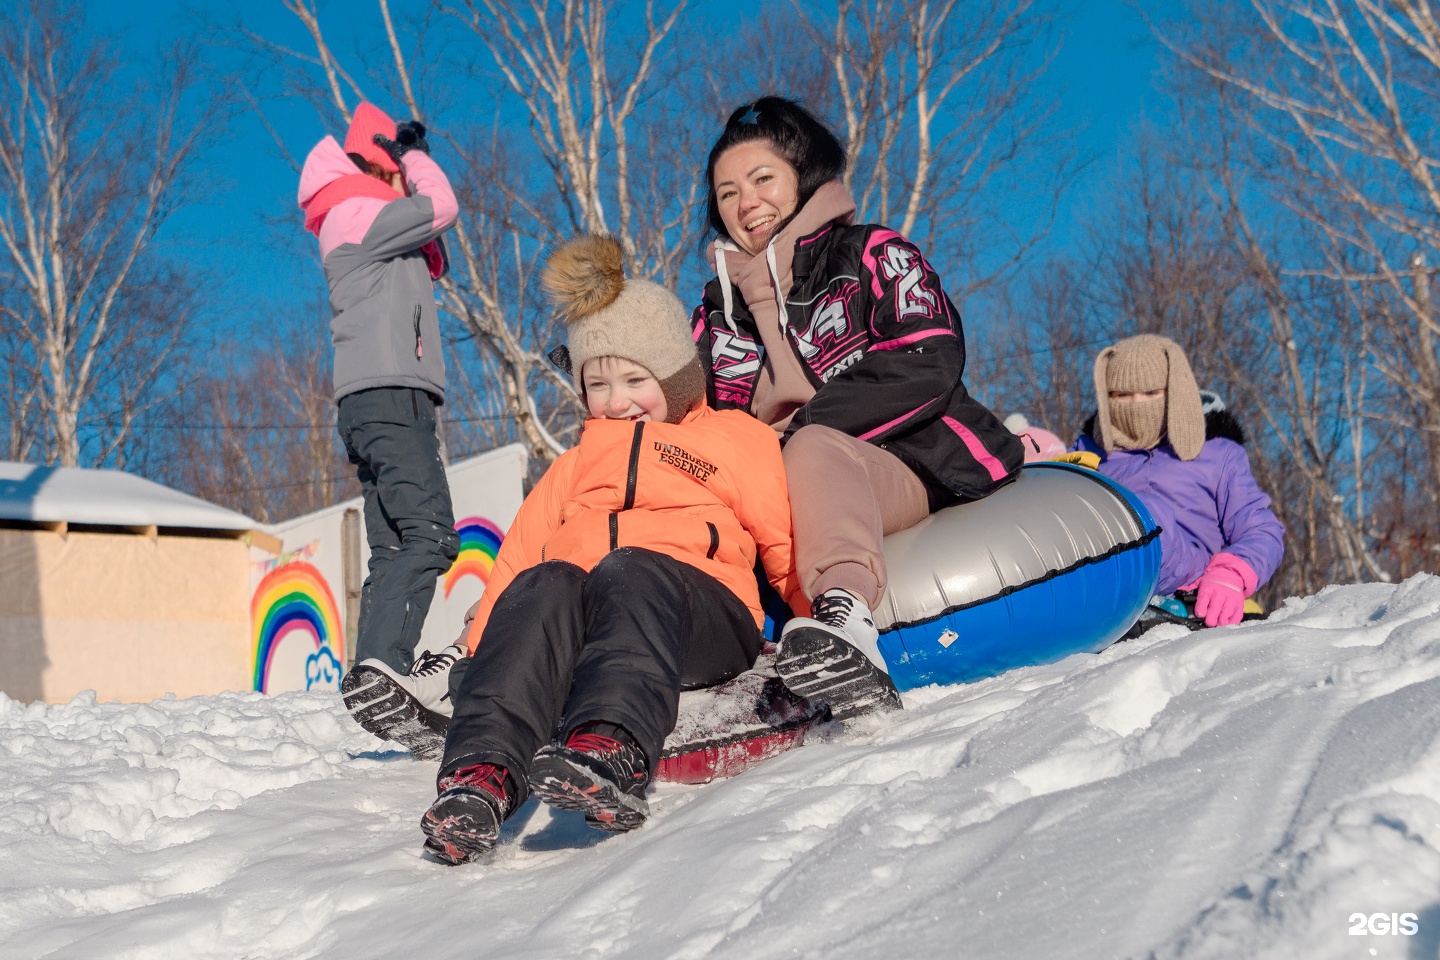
x=564, y=648
x=390, y=436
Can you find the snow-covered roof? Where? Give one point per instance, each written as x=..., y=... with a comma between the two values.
x=110, y=497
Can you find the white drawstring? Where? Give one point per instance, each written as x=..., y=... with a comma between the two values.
x=782, y=316
x=725, y=291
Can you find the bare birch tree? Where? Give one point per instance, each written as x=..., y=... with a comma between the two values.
x=91, y=317
x=938, y=106
x=586, y=163
x=1034, y=356
x=1180, y=256
x=596, y=118
x=1336, y=101
x=256, y=431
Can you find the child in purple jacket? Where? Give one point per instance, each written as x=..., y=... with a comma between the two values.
x=1219, y=536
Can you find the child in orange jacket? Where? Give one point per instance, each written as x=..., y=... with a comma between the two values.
x=627, y=576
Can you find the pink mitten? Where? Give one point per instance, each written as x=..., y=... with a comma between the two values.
x=1222, y=589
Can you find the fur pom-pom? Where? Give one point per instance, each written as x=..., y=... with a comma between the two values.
x=585, y=275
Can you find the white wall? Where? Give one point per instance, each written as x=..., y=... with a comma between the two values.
x=488, y=486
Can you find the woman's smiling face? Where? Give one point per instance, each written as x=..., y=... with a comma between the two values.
x=755, y=188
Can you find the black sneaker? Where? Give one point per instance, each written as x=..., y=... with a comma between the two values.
x=463, y=823
x=604, y=777
x=824, y=657
x=411, y=708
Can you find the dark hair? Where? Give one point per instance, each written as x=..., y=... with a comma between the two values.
x=804, y=142
x=369, y=166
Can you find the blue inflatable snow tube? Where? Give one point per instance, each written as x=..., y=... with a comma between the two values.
x=1063, y=560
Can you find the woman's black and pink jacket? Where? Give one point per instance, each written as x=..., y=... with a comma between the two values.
x=883, y=346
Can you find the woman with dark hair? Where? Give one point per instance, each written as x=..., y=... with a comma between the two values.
x=840, y=336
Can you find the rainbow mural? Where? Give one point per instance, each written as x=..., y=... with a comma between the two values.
x=479, y=542
x=294, y=599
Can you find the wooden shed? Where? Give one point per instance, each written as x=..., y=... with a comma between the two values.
x=113, y=583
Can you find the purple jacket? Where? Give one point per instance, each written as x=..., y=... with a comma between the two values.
x=1204, y=506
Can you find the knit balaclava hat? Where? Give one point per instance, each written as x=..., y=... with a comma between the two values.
x=368, y=121
x=610, y=316
x=1140, y=364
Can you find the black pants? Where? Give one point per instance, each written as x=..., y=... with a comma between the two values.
x=389, y=434
x=616, y=645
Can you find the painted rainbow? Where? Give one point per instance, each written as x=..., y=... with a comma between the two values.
x=293, y=597
x=479, y=542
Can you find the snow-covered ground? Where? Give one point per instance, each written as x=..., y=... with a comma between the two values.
x=1234, y=793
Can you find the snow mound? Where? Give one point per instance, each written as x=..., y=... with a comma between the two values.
x=1240, y=792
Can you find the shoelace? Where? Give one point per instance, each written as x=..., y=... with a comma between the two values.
x=625, y=761
x=595, y=744
x=429, y=663
x=486, y=776
x=832, y=609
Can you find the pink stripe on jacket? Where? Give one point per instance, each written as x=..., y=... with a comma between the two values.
x=977, y=449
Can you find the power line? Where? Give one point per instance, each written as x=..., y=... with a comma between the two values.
x=280, y=486
x=314, y=481
x=289, y=426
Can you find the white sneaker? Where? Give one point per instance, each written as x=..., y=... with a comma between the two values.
x=411, y=708
x=834, y=656
x=840, y=612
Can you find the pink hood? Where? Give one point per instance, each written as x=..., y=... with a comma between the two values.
x=326, y=163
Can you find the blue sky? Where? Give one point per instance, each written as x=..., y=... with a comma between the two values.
x=1105, y=74
x=1107, y=71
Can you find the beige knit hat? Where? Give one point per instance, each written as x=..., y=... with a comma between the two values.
x=610, y=316
x=1140, y=364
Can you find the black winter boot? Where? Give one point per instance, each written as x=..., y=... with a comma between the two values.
x=600, y=771
x=464, y=821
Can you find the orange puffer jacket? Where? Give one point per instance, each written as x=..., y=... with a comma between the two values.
x=709, y=491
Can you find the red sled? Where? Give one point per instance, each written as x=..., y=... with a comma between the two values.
x=730, y=727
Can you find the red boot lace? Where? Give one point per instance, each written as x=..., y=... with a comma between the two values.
x=595, y=744
x=485, y=776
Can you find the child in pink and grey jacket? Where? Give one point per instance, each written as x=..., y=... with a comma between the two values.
x=378, y=207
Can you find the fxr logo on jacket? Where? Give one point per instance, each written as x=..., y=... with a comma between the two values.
x=735, y=360
x=830, y=342
x=911, y=297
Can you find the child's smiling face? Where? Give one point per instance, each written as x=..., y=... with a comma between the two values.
x=619, y=389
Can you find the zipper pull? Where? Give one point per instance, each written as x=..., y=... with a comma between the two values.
x=419, y=347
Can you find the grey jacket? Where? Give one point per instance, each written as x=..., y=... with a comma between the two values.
x=386, y=329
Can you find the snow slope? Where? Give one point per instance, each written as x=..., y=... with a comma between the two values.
x=1233, y=793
